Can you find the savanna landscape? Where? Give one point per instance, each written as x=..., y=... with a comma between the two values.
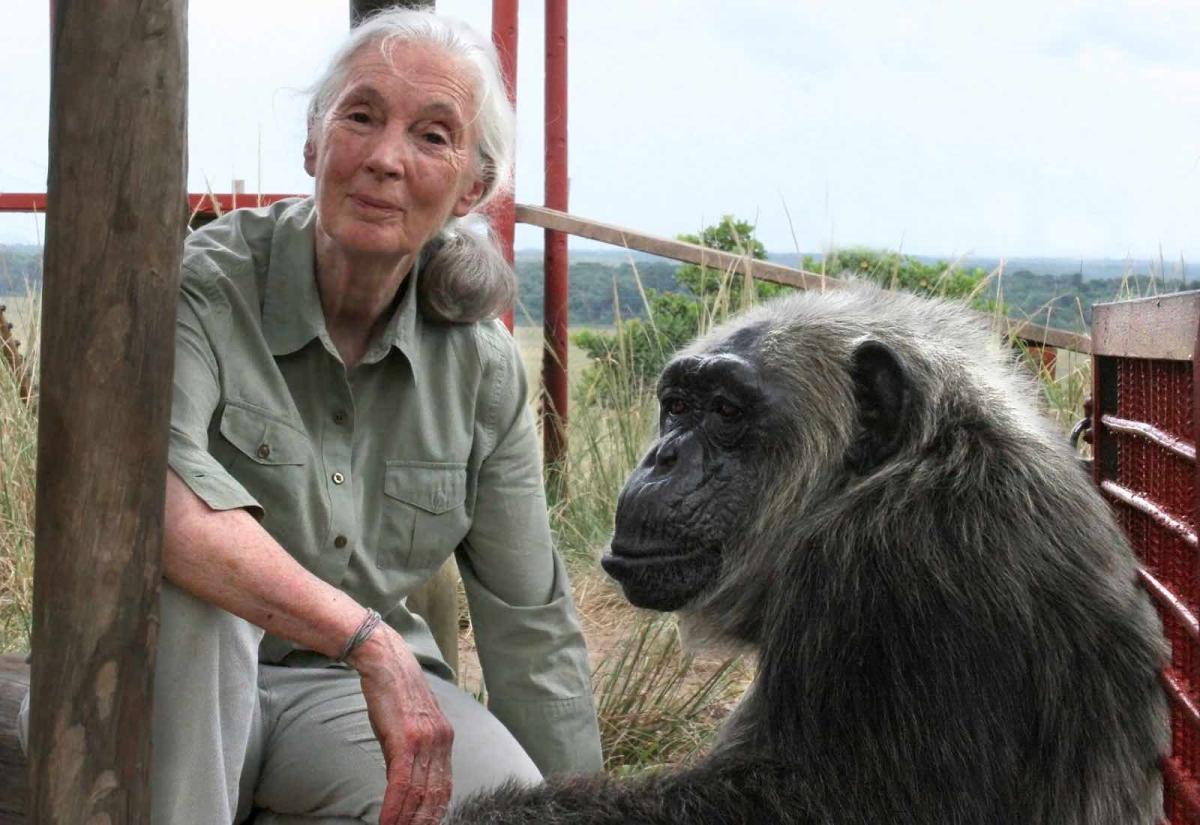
x=658, y=703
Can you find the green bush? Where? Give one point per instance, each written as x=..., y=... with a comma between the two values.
x=638, y=350
x=901, y=272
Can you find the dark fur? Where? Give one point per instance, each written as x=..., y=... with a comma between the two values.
x=945, y=615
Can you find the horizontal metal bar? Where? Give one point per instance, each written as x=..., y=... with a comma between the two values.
x=1145, y=505
x=1177, y=692
x=1171, y=603
x=202, y=203
x=703, y=256
x=1178, y=446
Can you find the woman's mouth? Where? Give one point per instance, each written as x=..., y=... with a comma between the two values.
x=377, y=204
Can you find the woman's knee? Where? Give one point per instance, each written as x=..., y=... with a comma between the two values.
x=485, y=754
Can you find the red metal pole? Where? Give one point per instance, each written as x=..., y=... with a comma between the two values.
x=554, y=365
x=504, y=35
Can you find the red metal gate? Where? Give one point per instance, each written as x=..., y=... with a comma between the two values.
x=1144, y=438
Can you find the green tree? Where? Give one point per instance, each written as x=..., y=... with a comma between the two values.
x=904, y=272
x=630, y=360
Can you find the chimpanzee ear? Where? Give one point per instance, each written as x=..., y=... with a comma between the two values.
x=883, y=397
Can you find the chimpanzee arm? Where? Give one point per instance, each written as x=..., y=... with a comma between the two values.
x=709, y=793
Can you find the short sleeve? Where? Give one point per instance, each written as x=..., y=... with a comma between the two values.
x=196, y=395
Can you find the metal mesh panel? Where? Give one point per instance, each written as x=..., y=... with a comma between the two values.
x=1159, y=393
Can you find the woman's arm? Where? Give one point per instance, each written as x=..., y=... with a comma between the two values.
x=527, y=632
x=226, y=558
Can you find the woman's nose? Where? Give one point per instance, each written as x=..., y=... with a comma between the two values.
x=388, y=157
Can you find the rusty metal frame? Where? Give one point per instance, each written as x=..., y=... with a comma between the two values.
x=1164, y=328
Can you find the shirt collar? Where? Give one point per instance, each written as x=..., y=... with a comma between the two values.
x=291, y=310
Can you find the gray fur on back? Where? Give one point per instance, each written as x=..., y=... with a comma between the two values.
x=954, y=637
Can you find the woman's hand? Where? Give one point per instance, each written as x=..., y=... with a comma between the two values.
x=413, y=733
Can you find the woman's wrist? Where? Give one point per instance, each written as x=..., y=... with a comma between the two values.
x=370, y=622
x=382, y=651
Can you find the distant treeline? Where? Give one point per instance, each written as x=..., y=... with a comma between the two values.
x=595, y=279
x=593, y=289
x=20, y=268
x=1065, y=301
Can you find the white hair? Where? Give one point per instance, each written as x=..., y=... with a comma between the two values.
x=463, y=276
x=494, y=120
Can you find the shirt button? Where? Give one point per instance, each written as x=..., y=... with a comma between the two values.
x=340, y=417
x=339, y=542
x=338, y=478
x=264, y=450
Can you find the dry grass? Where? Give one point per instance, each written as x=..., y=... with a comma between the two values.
x=529, y=339
x=18, y=445
x=22, y=312
x=658, y=705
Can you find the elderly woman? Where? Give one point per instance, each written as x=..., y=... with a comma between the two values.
x=344, y=419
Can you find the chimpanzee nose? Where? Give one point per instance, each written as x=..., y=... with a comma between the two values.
x=666, y=454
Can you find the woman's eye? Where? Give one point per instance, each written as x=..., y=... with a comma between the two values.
x=436, y=138
x=359, y=117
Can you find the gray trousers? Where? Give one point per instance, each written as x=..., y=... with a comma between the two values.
x=238, y=741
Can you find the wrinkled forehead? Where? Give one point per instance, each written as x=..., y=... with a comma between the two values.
x=705, y=370
x=399, y=70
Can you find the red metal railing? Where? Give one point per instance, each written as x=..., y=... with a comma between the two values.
x=1145, y=430
x=205, y=204
x=554, y=370
x=504, y=36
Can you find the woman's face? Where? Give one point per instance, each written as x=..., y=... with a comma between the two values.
x=394, y=155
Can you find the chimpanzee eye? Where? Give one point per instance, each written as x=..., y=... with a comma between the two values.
x=675, y=406
x=726, y=410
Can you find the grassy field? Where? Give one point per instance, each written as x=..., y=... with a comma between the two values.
x=530, y=340
x=18, y=444
x=657, y=704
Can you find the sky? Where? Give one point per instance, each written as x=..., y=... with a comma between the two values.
x=1023, y=128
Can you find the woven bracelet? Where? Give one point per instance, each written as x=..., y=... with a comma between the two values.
x=369, y=623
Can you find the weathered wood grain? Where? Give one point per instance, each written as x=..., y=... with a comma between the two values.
x=114, y=234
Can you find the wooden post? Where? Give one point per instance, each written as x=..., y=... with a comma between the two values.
x=363, y=8
x=114, y=233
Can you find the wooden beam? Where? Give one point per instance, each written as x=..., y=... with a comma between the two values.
x=667, y=248
x=114, y=234
x=703, y=256
x=1042, y=335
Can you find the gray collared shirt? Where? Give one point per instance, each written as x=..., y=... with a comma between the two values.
x=371, y=477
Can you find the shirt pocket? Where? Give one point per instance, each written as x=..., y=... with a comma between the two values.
x=265, y=455
x=424, y=514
